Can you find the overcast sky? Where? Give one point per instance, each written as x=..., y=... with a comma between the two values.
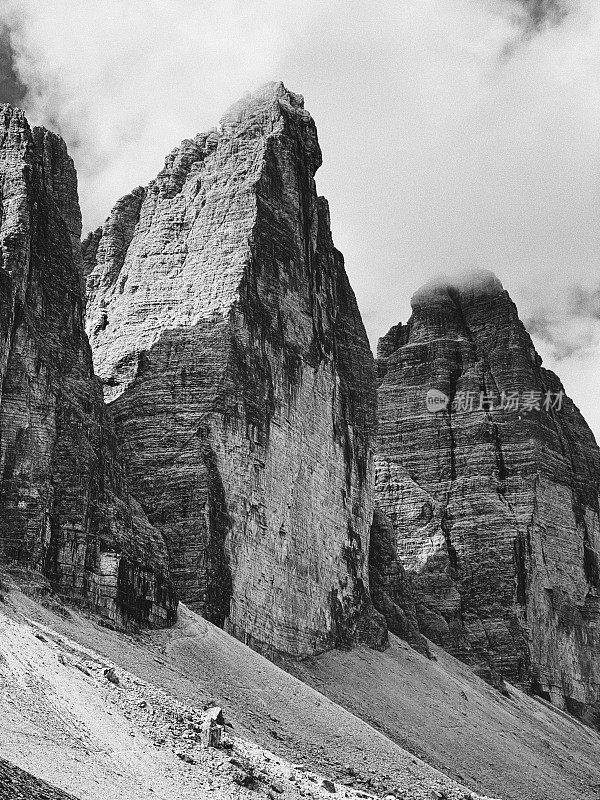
x=455, y=133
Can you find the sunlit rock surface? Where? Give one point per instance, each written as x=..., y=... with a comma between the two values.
x=237, y=367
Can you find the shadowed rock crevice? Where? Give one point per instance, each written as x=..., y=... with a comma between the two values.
x=390, y=586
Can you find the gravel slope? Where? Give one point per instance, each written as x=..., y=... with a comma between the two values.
x=517, y=747
x=67, y=724
x=16, y=784
x=378, y=714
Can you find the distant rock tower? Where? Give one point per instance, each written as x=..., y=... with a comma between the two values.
x=494, y=497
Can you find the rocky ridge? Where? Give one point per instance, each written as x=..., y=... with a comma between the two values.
x=493, y=496
x=236, y=364
x=64, y=505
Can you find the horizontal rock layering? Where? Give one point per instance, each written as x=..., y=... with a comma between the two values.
x=64, y=508
x=495, y=509
x=236, y=364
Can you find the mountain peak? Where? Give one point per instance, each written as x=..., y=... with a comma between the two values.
x=490, y=476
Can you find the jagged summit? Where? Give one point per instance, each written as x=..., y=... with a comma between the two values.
x=265, y=96
x=442, y=298
x=8, y=110
x=270, y=105
x=65, y=509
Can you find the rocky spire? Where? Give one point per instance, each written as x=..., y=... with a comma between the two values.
x=236, y=363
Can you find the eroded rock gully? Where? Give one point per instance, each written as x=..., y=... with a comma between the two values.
x=494, y=510
x=237, y=367
x=64, y=505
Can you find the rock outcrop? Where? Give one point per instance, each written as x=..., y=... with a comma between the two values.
x=493, y=495
x=64, y=506
x=236, y=364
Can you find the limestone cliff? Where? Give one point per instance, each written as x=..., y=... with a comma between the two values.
x=64, y=508
x=494, y=496
x=237, y=367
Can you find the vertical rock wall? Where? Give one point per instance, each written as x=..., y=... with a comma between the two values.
x=64, y=509
x=236, y=364
x=494, y=506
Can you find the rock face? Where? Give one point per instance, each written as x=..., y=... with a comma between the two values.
x=64, y=507
x=390, y=586
x=493, y=498
x=237, y=367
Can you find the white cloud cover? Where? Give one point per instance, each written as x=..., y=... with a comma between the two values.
x=125, y=80
x=455, y=133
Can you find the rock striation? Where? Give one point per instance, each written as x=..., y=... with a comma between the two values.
x=493, y=497
x=64, y=506
x=236, y=364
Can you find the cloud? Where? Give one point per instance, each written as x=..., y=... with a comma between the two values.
x=543, y=13
x=533, y=16
x=565, y=338
x=123, y=81
x=11, y=89
x=568, y=325
x=455, y=133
